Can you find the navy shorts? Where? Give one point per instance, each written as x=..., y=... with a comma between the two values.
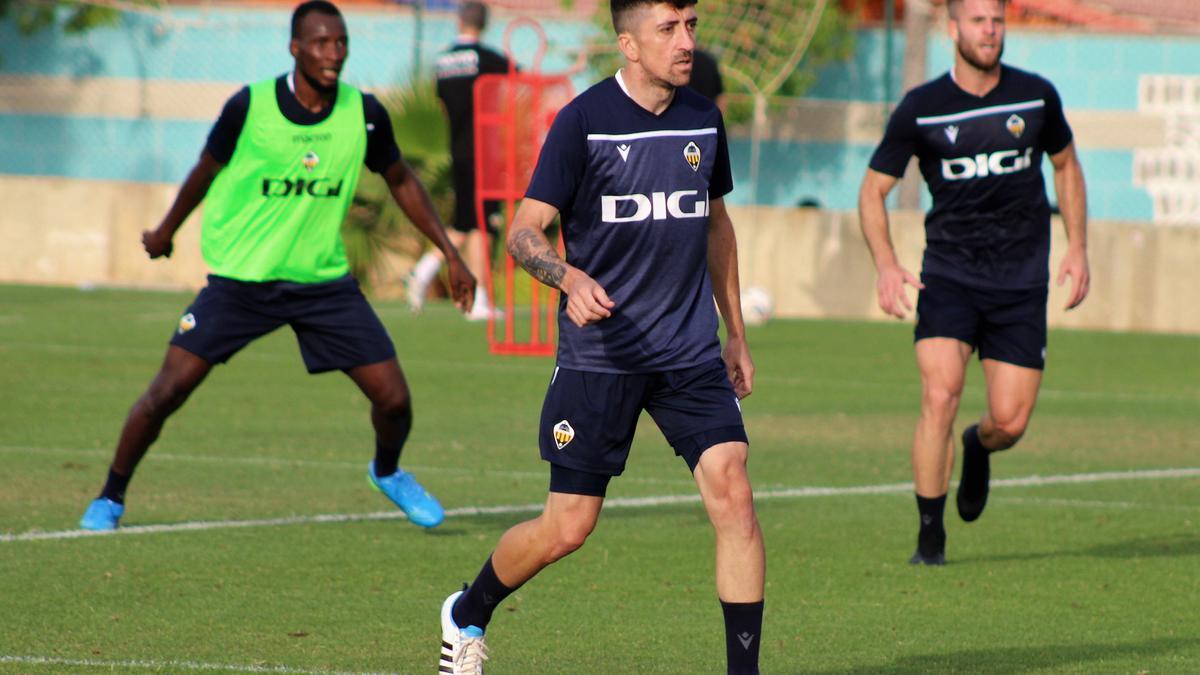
x=589, y=419
x=465, y=217
x=333, y=322
x=1004, y=325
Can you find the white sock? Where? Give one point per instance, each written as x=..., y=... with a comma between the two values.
x=481, y=298
x=426, y=269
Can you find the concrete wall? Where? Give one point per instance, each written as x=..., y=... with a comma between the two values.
x=812, y=262
x=815, y=264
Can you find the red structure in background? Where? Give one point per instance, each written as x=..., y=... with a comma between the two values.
x=513, y=114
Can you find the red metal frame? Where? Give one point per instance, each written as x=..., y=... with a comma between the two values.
x=514, y=107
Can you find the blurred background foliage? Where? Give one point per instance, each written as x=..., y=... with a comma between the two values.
x=375, y=225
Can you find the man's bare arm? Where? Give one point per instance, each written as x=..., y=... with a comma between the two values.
x=587, y=302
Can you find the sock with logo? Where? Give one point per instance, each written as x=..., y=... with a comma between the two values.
x=932, y=538
x=743, y=634
x=114, y=486
x=475, y=606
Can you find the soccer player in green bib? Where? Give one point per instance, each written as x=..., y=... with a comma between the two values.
x=277, y=175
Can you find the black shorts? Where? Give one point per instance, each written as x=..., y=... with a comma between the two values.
x=588, y=419
x=333, y=322
x=1004, y=325
x=465, y=218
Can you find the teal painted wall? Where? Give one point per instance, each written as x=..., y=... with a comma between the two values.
x=246, y=45
x=231, y=46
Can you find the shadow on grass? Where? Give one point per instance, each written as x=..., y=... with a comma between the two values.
x=1062, y=658
x=1174, y=546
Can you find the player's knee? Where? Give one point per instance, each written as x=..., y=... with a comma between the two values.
x=396, y=404
x=738, y=509
x=1006, y=432
x=731, y=505
x=566, y=539
x=940, y=400
x=162, y=399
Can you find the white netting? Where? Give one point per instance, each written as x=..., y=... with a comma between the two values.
x=760, y=42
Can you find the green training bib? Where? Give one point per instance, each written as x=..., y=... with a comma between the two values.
x=275, y=212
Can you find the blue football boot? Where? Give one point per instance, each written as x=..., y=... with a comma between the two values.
x=102, y=514
x=421, y=507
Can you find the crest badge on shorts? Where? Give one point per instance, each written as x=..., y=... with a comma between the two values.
x=691, y=152
x=563, y=434
x=1015, y=125
x=186, y=323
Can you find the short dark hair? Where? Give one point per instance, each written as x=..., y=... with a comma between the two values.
x=306, y=8
x=622, y=8
x=473, y=14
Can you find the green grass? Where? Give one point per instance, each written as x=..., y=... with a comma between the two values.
x=1086, y=577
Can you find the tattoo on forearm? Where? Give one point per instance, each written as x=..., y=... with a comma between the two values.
x=531, y=249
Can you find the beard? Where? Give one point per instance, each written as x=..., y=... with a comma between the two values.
x=978, y=64
x=676, y=79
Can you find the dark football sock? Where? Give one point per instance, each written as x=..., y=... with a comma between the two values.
x=114, y=486
x=932, y=538
x=475, y=606
x=387, y=459
x=971, y=442
x=387, y=455
x=743, y=634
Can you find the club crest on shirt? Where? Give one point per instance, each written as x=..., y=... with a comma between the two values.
x=623, y=150
x=691, y=152
x=1015, y=125
x=311, y=160
x=952, y=133
x=186, y=323
x=563, y=434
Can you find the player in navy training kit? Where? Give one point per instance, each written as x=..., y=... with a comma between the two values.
x=458, y=67
x=979, y=134
x=637, y=166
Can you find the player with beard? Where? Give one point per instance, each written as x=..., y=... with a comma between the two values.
x=979, y=134
x=277, y=176
x=637, y=166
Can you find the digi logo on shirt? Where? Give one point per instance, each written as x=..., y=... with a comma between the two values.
x=289, y=187
x=657, y=206
x=985, y=164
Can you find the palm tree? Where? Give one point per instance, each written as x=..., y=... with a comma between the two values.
x=376, y=232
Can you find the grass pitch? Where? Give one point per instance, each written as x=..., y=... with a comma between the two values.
x=1093, y=571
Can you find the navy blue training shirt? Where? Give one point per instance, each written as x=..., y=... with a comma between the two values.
x=633, y=190
x=981, y=157
x=382, y=151
x=457, y=68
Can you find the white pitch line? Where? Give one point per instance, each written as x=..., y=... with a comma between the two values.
x=357, y=465
x=613, y=503
x=168, y=664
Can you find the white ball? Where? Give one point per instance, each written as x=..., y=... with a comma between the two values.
x=757, y=306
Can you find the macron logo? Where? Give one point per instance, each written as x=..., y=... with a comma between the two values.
x=746, y=639
x=624, y=150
